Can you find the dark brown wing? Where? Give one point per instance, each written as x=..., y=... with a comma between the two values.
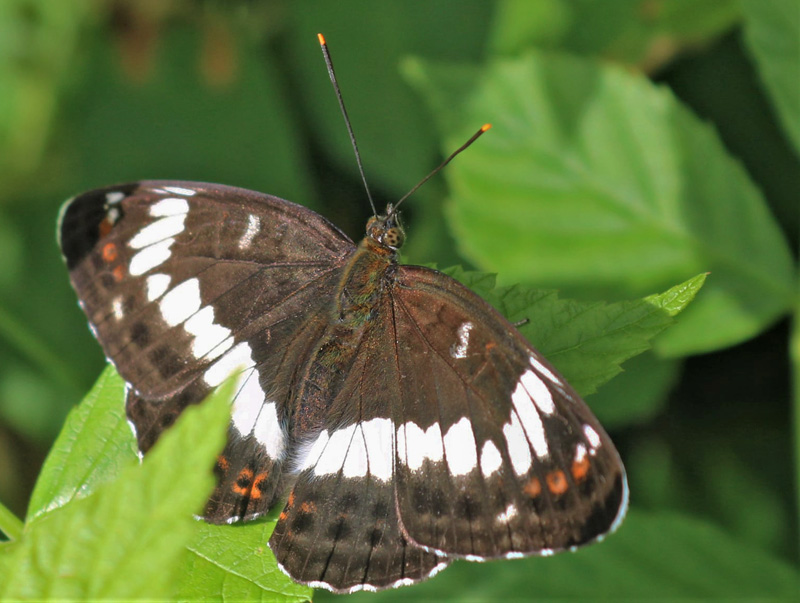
x=184, y=283
x=340, y=529
x=496, y=454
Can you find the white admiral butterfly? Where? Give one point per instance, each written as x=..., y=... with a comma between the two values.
x=410, y=421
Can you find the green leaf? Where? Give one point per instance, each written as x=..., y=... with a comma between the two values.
x=771, y=32
x=126, y=540
x=595, y=181
x=654, y=555
x=638, y=394
x=632, y=32
x=94, y=444
x=234, y=563
x=219, y=561
x=586, y=341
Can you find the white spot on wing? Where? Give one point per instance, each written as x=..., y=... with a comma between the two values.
x=538, y=391
x=491, y=460
x=158, y=231
x=220, y=349
x=309, y=453
x=530, y=419
x=355, y=455
x=150, y=257
x=253, y=226
x=459, y=350
x=356, y=450
x=593, y=437
x=247, y=404
x=207, y=334
x=114, y=197
x=253, y=414
x=179, y=190
x=157, y=284
x=237, y=358
x=510, y=513
x=518, y=448
x=116, y=307
x=544, y=370
x=459, y=444
x=170, y=206
x=378, y=437
x=181, y=302
x=415, y=445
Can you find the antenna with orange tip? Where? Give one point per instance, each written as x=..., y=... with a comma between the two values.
x=450, y=158
x=325, y=53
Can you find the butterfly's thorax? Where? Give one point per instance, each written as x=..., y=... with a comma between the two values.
x=364, y=282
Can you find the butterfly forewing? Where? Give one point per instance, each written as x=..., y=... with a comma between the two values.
x=159, y=271
x=496, y=454
x=185, y=282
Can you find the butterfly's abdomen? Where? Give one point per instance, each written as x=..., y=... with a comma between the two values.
x=359, y=295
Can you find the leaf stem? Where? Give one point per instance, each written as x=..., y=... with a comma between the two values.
x=10, y=524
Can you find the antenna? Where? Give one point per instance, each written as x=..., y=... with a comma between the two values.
x=329, y=64
x=472, y=139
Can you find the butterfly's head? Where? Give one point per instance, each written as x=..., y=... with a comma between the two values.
x=386, y=229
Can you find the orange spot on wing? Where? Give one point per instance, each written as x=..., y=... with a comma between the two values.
x=580, y=468
x=258, y=483
x=533, y=488
x=308, y=507
x=223, y=463
x=289, y=504
x=118, y=273
x=110, y=252
x=105, y=227
x=243, y=482
x=490, y=346
x=557, y=482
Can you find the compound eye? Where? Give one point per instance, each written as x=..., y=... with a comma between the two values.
x=394, y=237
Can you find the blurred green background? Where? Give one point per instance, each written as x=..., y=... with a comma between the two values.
x=96, y=92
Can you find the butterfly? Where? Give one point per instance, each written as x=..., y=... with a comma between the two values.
x=410, y=423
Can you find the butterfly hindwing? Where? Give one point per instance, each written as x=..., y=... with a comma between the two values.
x=340, y=527
x=344, y=534
x=496, y=454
